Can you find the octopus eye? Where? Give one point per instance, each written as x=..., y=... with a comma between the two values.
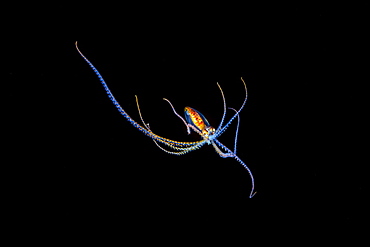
x=212, y=131
x=204, y=132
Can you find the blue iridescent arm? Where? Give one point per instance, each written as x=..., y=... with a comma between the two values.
x=237, y=130
x=111, y=97
x=147, y=132
x=241, y=162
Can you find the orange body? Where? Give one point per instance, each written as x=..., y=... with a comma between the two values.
x=196, y=118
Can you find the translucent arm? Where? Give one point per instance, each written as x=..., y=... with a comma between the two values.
x=173, y=109
x=236, y=114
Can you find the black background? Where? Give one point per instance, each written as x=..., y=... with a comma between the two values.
x=75, y=160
